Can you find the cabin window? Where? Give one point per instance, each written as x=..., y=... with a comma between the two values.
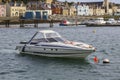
x=39, y=36
x=51, y=40
x=50, y=35
x=2, y=14
x=37, y=41
x=44, y=49
x=56, y=49
x=56, y=39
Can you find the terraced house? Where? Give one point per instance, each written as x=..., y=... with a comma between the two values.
x=97, y=8
x=72, y=10
x=15, y=9
x=56, y=7
x=82, y=9
x=39, y=6
x=2, y=10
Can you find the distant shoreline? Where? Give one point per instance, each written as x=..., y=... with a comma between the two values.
x=54, y=19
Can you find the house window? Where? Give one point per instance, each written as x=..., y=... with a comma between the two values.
x=45, y=13
x=2, y=15
x=12, y=14
x=16, y=14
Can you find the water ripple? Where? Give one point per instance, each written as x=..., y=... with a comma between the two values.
x=17, y=67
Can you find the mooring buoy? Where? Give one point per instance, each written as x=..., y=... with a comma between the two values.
x=106, y=61
x=94, y=31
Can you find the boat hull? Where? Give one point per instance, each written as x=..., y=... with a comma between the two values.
x=66, y=24
x=57, y=55
x=56, y=52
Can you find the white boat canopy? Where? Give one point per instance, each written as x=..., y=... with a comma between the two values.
x=49, y=33
x=48, y=36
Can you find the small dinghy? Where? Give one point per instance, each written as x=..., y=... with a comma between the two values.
x=50, y=44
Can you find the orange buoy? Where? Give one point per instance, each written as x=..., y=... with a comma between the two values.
x=95, y=59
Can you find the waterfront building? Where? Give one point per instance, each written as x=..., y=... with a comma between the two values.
x=45, y=7
x=116, y=9
x=118, y=6
x=56, y=9
x=62, y=8
x=48, y=1
x=15, y=9
x=2, y=10
x=72, y=11
x=82, y=10
x=40, y=8
x=99, y=11
x=90, y=11
x=95, y=8
x=65, y=11
x=99, y=8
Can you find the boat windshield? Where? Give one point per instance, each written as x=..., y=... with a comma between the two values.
x=54, y=37
x=48, y=37
x=39, y=36
x=51, y=35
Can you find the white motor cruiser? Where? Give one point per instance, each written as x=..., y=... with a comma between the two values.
x=118, y=21
x=100, y=21
x=97, y=21
x=111, y=21
x=50, y=44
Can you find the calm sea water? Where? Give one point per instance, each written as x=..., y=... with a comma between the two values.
x=17, y=67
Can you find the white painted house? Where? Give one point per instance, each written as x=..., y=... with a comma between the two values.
x=82, y=10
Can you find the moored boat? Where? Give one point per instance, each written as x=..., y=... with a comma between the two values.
x=111, y=21
x=100, y=21
x=97, y=21
x=69, y=23
x=50, y=44
x=118, y=21
x=65, y=23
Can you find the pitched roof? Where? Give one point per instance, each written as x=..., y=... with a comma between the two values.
x=17, y=3
x=33, y=5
